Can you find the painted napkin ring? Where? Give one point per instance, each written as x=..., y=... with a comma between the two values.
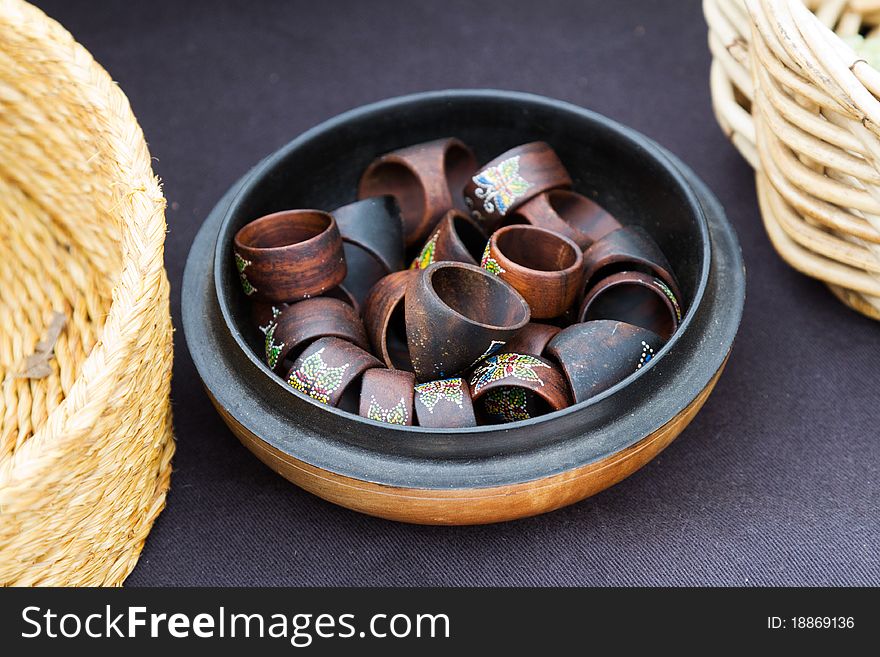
x=384, y=319
x=263, y=313
x=458, y=237
x=532, y=339
x=290, y=255
x=325, y=369
x=445, y=403
x=457, y=313
x=511, y=179
x=387, y=396
x=372, y=236
x=302, y=322
x=545, y=267
x=628, y=249
x=567, y=213
x=518, y=387
x=598, y=355
x=426, y=179
x=635, y=298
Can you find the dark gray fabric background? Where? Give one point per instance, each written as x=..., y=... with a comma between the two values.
x=775, y=482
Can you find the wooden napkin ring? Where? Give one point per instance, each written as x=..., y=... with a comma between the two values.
x=326, y=368
x=455, y=314
x=630, y=248
x=374, y=224
x=545, y=267
x=532, y=339
x=387, y=396
x=634, y=298
x=511, y=179
x=263, y=313
x=372, y=237
x=289, y=256
x=384, y=319
x=598, y=355
x=568, y=213
x=458, y=237
x=426, y=179
x=445, y=403
x=302, y=322
x=342, y=293
x=509, y=381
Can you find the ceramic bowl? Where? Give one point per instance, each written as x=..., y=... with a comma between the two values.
x=487, y=473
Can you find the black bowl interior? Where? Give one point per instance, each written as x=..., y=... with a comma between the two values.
x=618, y=168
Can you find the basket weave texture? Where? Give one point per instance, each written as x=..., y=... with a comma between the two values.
x=85, y=452
x=802, y=107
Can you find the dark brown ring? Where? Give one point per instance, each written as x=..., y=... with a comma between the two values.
x=344, y=294
x=457, y=313
x=596, y=356
x=511, y=179
x=568, y=213
x=532, y=339
x=380, y=308
x=302, y=322
x=372, y=236
x=374, y=224
x=426, y=179
x=387, y=396
x=445, y=403
x=545, y=267
x=630, y=248
x=364, y=271
x=458, y=237
x=289, y=255
x=263, y=314
x=499, y=374
x=634, y=298
x=326, y=368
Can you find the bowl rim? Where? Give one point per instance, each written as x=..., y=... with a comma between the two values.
x=636, y=141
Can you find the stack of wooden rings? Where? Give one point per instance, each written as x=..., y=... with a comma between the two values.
x=452, y=340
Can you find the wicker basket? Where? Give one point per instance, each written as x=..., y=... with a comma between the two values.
x=802, y=107
x=85, y=446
